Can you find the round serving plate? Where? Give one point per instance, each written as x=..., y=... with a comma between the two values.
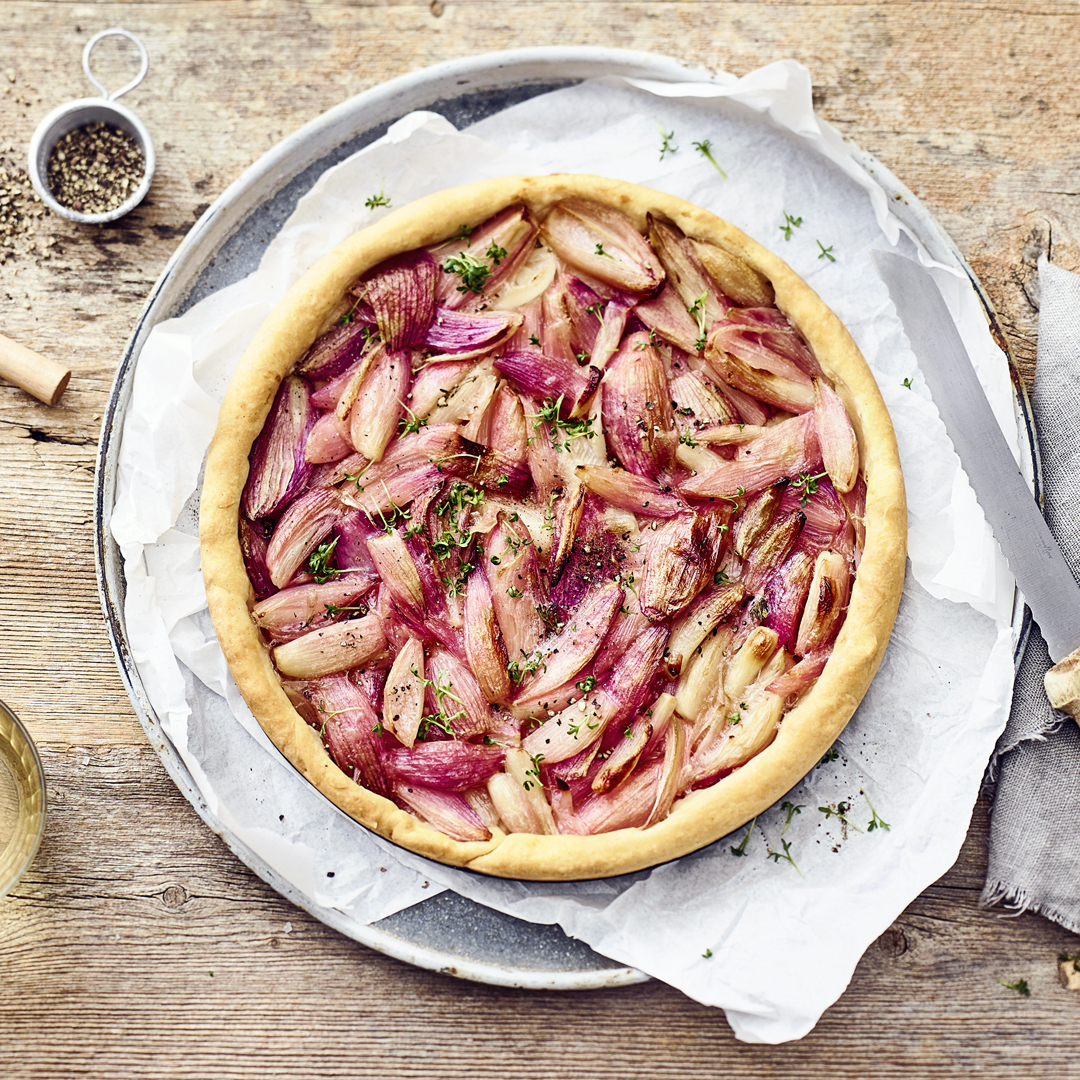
x=446, y=933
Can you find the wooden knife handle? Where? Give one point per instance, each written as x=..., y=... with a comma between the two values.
x=32, y=372
x=1062, y=684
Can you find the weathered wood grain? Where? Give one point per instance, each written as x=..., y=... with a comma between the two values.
x=137, y=945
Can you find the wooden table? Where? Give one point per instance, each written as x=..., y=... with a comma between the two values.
x=137, y=945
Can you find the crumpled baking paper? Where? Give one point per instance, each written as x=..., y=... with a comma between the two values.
x=769, y=923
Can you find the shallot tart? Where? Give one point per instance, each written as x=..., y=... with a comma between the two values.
x=553, y=527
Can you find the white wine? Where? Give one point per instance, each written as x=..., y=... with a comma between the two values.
x=22, y=800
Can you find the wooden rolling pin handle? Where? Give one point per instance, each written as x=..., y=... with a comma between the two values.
x=1062, y=684
x=32, y=372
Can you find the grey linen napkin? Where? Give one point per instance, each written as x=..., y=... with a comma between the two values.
x=1035, y=824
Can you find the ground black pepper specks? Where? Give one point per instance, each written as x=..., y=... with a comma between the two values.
x=95, y=168
x=21, y=210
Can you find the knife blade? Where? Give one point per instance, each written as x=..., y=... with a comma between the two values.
x=1026, y=542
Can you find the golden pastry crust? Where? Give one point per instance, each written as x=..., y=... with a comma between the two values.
x=700, y=817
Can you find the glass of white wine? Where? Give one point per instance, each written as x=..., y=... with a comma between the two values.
x=22, y=799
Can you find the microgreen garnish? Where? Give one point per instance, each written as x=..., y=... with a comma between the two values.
x=597, y=309
x=514, y=544
x=587, y=684
x=839, y=810
x=741, y=849
x=792, y=809
x=704, y=148
x=458, y=500
x=320, y=562
x=573, y=729
x=455, y=586
x=413, y=424
x=464, y=233
x=355, y=478
x=514, y=592
x=697, y=310
x=599, y=250
x=809, y=485
x=518, y=669
x=667, y=146
x=533, y=339
x=440, y=719
x=374, y=201
x=549, y=510
x=875, y=821
x=1020, y=986
x=720, y=577
x=329, y=714
x=707, y=954
x=789, y=224
x=776, y=856
x=471, y=270
x=739, y=492
x=495, y=253
x=348, y=316
x=826, y=252
x=906, y=384
x=396, y=513
x=534, y=772
x=832, y=754
x=550, y=414
x=583, y=357
x=333, y=609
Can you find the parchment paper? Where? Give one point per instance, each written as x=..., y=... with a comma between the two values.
x=772, y=937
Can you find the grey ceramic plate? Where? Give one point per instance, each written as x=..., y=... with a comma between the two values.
x=446, y=933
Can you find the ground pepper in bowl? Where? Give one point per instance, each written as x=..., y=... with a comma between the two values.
x=95, y=168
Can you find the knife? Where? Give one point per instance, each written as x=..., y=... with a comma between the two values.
x=1026, y=542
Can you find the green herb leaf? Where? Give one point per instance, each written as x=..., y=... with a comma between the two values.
x=667, y=146
x=704, y=148
x=839, y=810
x=551, y=414
x=809, y=485
x=1020, y=986
x=320, y=563
x=697, y=310
x=741, y=849
x=826, y=252
x=875, y=821
x=776, y=856
x=472, y=271
x=789, y=224
x=413, y=424
x=792, y=809
x=377, y=200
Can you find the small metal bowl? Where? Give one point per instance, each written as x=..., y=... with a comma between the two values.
x=22, y=800
x=77, y=114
